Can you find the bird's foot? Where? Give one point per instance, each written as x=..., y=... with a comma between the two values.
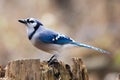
x=53, y=60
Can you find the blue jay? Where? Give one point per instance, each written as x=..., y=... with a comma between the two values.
x=49, y=40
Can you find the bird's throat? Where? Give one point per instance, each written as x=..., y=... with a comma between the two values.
x=32, y=33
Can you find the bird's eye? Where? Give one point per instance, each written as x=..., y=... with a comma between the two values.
x=31, y=21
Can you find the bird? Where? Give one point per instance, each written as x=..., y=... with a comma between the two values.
x=49, y=40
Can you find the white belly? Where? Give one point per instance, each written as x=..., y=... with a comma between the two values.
x=51, y=48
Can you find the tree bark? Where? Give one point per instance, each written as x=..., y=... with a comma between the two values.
x=34, y=69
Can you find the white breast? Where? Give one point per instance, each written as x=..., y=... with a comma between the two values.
x=47, y=47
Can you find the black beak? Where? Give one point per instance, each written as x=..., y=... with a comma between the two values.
x=22, y=21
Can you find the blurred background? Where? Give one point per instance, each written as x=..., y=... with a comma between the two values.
x=94, y=22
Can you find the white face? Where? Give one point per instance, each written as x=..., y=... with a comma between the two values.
x=31, y=22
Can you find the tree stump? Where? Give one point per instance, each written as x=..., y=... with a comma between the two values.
x=34, y=69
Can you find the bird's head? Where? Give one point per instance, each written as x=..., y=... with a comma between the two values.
x=30, y=22
x=32, y=25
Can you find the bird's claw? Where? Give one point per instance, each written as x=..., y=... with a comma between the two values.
x=52, y=61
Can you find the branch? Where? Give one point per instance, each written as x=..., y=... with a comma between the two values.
x=33, y=69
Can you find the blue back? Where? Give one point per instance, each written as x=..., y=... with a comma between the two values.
x=54, y=38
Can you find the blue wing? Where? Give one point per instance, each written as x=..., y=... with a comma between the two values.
x=54, y=38
x=62, y=39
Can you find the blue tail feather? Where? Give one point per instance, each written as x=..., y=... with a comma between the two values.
x=90, y=47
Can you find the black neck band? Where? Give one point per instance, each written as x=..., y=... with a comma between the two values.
x=35, y=29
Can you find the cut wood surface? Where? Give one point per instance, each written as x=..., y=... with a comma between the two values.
x=34, y=69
